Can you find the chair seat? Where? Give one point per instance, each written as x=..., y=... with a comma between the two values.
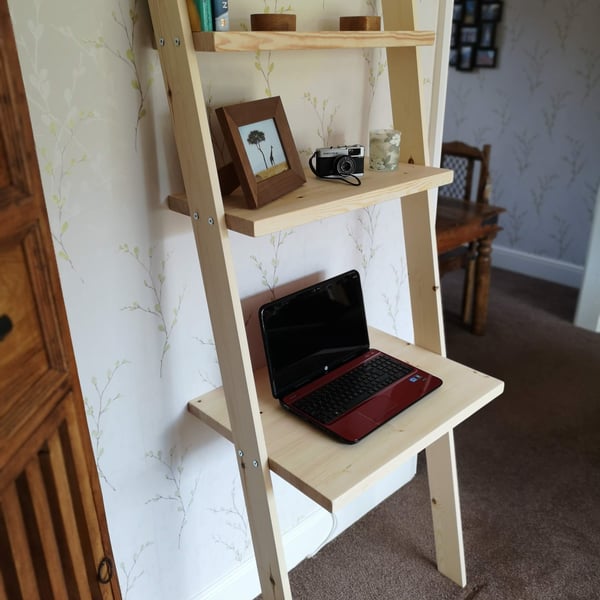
x=459, y=222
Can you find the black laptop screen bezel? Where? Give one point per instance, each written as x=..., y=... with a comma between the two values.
x=310, y=332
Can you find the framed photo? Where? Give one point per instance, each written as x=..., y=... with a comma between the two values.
x=458, y=11
x=486, y=58
x=487, y=35
x=262, y=149
x=454, y=35
x=465, y=60
x=469, y=35
x=470, y=14
x=491, y=11
x=453, y=56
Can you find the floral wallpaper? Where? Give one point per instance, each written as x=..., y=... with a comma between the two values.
x=130, y=274
x=540, y=111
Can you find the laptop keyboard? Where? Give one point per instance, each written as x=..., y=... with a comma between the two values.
x=339, y=396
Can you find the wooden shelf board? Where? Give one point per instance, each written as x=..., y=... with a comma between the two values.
x=319, y=198
x=252, y=41
x=333, y=473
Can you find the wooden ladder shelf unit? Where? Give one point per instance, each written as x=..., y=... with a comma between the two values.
x=264, y=436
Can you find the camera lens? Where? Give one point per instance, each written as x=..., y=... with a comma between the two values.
x=345, y=165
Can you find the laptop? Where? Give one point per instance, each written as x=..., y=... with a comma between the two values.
x=316, y=344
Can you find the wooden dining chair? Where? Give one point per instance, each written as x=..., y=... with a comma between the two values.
x=466, y=224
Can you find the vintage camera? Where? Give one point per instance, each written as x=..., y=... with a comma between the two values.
x=340, y=161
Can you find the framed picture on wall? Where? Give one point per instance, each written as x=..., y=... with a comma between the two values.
x=487, y=35
x=458, y=11
x=474, y=27
x=453, y=56
x=466, y=58
x=470, y=13
x=469, y=35
x=486, y=58
x=454, y=35
x=491, y=11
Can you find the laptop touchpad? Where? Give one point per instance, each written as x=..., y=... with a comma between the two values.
x=377, y=409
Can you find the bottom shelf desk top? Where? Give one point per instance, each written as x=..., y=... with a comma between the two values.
x=333, y=473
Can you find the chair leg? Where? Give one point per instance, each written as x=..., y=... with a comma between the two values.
x=482, y=285
x=469, y=286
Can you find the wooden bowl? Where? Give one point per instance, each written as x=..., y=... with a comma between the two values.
x=272, y=22
x=360, y=23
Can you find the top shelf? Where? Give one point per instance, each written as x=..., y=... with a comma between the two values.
x=252, y=41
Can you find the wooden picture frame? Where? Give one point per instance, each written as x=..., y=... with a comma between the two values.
x=262, y=149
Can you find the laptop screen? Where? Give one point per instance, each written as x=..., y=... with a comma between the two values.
x=313, y=331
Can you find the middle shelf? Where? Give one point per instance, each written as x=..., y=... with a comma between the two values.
x=332, y=473
x=320, y=198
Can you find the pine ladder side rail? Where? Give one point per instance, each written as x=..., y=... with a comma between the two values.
x=418, y=216
x=192, y=135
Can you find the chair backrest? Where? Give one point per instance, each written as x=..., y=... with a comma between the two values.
x=470, y=164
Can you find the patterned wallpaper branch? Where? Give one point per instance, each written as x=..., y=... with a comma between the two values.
x=541, y=193
x=574, y=158
x=269, y=276
x=174, y=475
x=97, y=410
x=65, y=152
x=564, y=25
x=502, y=111
x=534, y=70
x=127, y=25
x=237, y=522
x=202, y=372
x=558, y=103
x=131, y=576
x=393, y=303
x=365, y=244
x=156, y=287
x=524, y=150
x=265, y=71
x=272, y=6
x=376, y=69
x=561, y=235
x=516, y=221
x=589, y=71
x=325, y=122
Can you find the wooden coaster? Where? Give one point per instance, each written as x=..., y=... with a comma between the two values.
x=360, y=23
x=272, y=22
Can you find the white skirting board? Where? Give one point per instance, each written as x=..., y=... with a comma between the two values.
x=534, y=265
x=308, y=537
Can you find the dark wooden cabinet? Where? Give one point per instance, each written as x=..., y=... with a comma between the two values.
x=53, y=534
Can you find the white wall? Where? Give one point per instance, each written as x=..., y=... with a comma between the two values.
x=132, y=284
x=539, y=111
x=588, y=305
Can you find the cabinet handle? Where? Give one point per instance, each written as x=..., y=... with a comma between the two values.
x=105, y=570
x=5, y=326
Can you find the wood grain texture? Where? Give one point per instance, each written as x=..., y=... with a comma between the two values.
x=319, y=199
x=253, y=41
x=332, y=473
